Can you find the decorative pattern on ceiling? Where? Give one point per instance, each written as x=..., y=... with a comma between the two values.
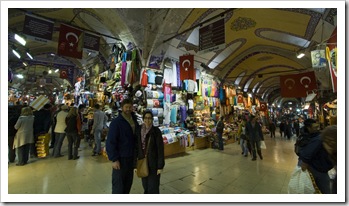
x=242, y=23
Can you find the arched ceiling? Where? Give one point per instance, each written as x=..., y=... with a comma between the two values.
x=261, y=42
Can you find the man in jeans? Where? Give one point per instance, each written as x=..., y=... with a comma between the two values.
x=99, y=122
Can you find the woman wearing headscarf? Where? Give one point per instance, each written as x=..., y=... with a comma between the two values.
x=150, y=144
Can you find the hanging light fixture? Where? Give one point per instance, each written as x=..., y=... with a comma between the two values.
x=15, y=52
x=300, y=55
x=29, y=55
x=20, y=39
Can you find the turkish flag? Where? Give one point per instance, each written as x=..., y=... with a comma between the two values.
x=263, y=106
x=63, y=74
x=70, y=42
x=186, y=67
x=240, y=98
x=297, y=85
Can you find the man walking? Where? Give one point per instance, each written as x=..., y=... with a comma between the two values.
x=99, y=122
x=254, y=132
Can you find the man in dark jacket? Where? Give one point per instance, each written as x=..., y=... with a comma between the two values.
x=255, y=135
x=314, y=157
x=219, y=130
x=42, y=124
x=121, y=148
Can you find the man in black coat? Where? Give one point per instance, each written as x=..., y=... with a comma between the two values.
x=42, y=123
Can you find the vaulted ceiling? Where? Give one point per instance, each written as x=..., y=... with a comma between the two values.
x=260, y=43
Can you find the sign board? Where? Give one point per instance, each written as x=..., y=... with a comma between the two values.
x=39, y=102
x=212, y=37
x=38, y=29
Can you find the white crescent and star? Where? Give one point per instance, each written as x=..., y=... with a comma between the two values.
x=74, y=35
x=303, y=78
x=187, y=60
x=289, y=80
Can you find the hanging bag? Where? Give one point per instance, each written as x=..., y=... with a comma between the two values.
x=142, y=164
x=263, y=146
x=300, y=182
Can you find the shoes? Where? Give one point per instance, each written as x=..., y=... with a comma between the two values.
x=96, y=154
x=245, y=155
x=242, y=153
x=254, y=159
x=70, y=158
x=20, y=164
x=75, y=158
x=261, y=157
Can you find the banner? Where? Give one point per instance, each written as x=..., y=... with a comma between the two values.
x=186, y=67
x=263, y=106
x=38, y=29
x=297, y=85
x=63, y=74
x=91, y=44
x=331, y=56
x=70, y=42
x=240, y=98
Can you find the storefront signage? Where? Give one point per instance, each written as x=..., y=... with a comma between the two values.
x=38, y=29
x=212, y=37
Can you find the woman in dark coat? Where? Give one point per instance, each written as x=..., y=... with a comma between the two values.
x=155, y=153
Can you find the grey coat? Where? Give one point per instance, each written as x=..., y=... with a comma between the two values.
x=25, y=131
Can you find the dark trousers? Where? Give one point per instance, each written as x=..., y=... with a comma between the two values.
x=23, y=154
x=220, y=140
x=58, y=144
x=73, y=144
x=53, y=138
x=272, y=133
x=151, y=184
x=11, y=151
x=122, y=178
x=256, y=145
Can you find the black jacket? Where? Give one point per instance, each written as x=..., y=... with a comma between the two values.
x=156, y=158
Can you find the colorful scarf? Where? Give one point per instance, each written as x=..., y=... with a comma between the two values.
x=144, y=132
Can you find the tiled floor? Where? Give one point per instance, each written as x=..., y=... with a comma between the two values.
x=201, y=171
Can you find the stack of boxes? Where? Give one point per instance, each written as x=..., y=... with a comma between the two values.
x=42, y=145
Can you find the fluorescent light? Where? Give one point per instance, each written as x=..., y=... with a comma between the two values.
x=16, y=53
x=249, y=94
x=56, y=70
x=25, y=64
x=49, y=71
x=300, y=55
x=20, y=39
x=20, y=76
x=30, y=56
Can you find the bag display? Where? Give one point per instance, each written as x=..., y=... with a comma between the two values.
x=263, y=146
x=300, y=182
x=142, y=167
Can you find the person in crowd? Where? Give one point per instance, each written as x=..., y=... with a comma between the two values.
x=329, y=142
x=272, y=128
x=243, y=138
x=288, y=129
x=54, y=122
x=121, y=148
x=282, y=127
x=296, y=127
x=151, y=146
x=14, y=113
x=313, y=156
x=42, y=124
x=255, y=135
x=60, y=131
x=25, y=135
x=219, y=130
x=73, y=130
x=81, y=111
x=99, y=123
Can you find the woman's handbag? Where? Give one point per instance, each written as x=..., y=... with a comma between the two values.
x=142, y=164
x=300, y=182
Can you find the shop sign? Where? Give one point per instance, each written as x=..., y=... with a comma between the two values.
x=212, y=37
x=39, y=102
x=38, y=29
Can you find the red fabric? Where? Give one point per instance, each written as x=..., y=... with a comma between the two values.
x=240, y=98
x=186, y=67
x=297, y=85
x=63, y=74
x=70, y=42
x=263, y=106
x=144, y=81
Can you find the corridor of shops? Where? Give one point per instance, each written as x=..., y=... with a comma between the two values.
x=200, y=171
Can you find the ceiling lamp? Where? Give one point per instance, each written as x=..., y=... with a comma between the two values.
x=300, y=55
x=20, y=39
x=14, y=51
x=28, y=54
x=20, y=76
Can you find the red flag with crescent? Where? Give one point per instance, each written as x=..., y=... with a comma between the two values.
x=297, y=85
x=70, y=42
x=63, y=74
x=263, y=106
x=186, y=66
x=240, y=98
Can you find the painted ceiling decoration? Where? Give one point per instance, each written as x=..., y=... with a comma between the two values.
x=260, y=43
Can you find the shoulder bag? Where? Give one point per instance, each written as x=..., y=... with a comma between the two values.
x=142, y=164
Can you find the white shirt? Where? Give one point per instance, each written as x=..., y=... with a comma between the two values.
x=191, y=104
